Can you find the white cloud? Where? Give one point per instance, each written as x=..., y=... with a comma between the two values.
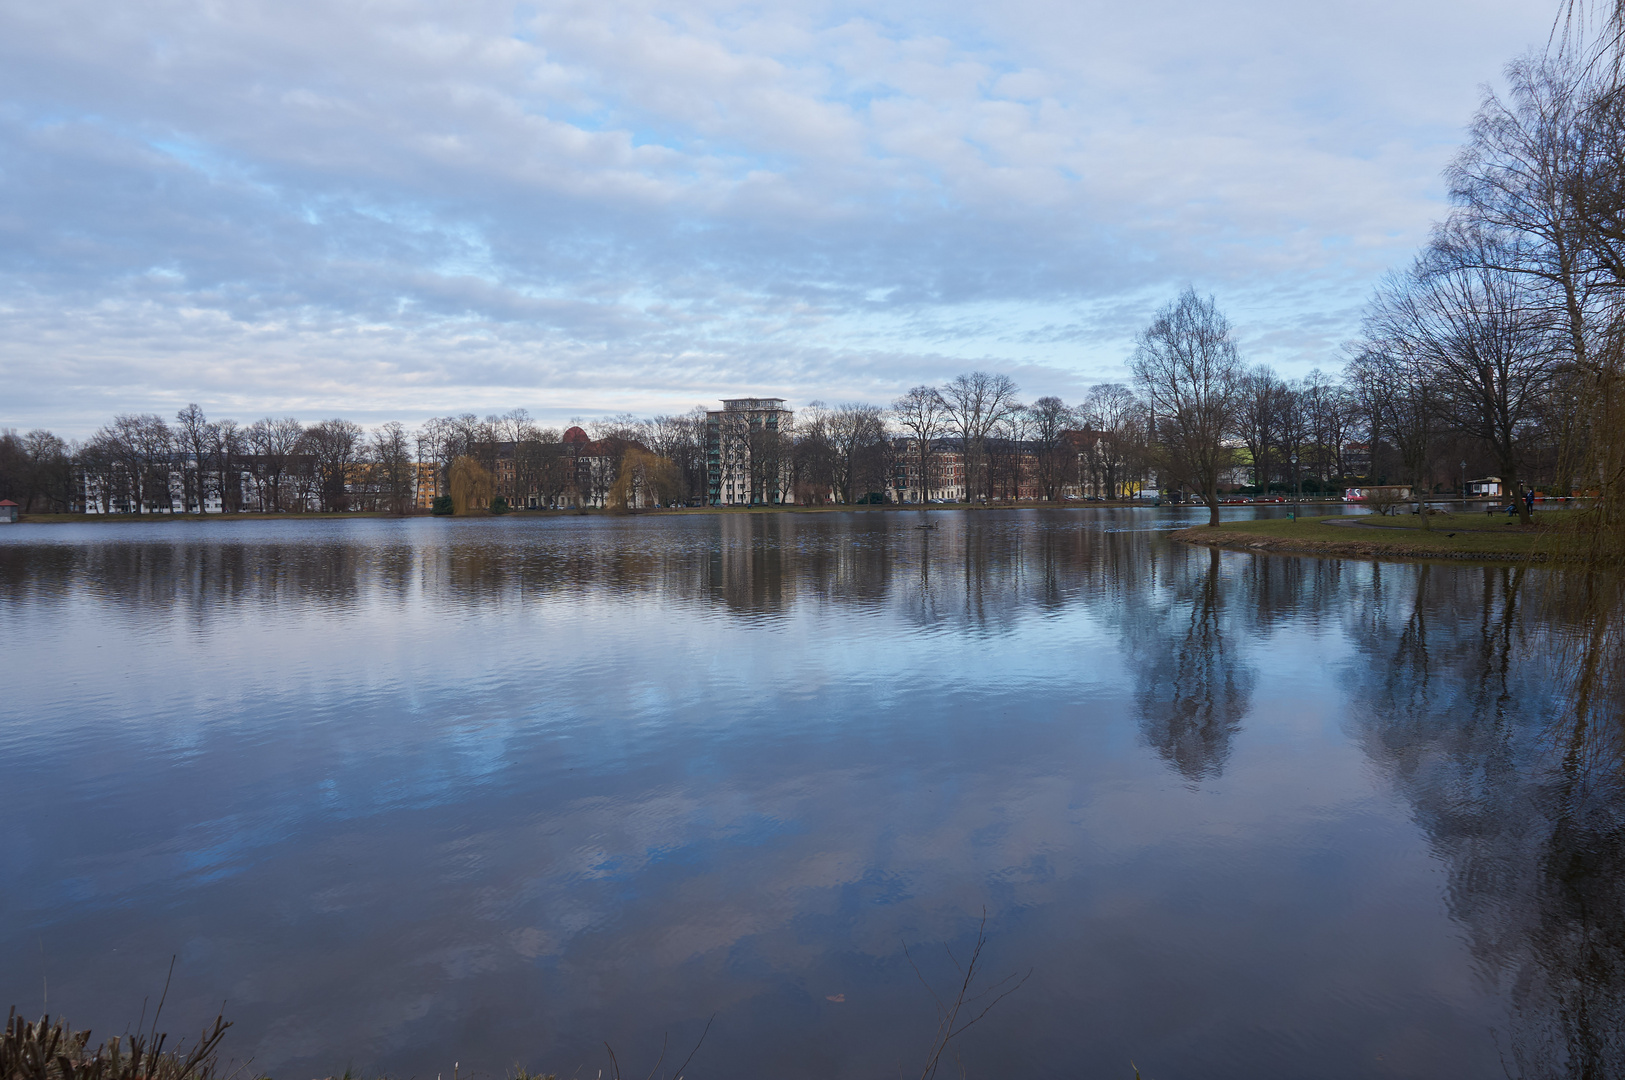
x=396, y=208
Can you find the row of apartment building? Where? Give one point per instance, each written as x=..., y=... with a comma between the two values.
x=586, y=472
x=747, y=461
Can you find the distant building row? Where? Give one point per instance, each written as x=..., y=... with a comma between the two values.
x=748, y=458
x=584, y=470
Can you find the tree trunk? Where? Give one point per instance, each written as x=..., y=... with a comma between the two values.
x=1514, y=485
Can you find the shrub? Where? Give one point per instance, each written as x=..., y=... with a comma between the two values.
x=1386, y=500
x=442, y=506
x=499, y=505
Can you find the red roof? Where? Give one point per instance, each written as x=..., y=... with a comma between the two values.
x=576, y=435
x=7, y=502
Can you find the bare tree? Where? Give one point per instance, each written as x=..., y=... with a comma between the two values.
x=97, y=463
x=393, y=466
x=1294, y=431
x=332, y=446
x=854, y=429
x=36, y=469
x=770, y=458
x=13, y=467
x=1116, y=417
x=1484, y=348
x=273, y=443
x=193, y=439
x=1518, y=176
x=1051, y=419
x=924, y=415
x=50, y=470
x=1187, y=366
x=1259, y=420
x=1330, y=414
x=227, y=450
x=620, y=426
x=469, y=436
x=532, y=453
x=431, y=441
x=976, y=403
x=1402, y=402
x=510, y=431
x=681, y=440
x=1007, y=454
x=877, y=465
x=154, y=443
x=138, y=452
x=555, y=470
x=1545, y=166
x=817, y=467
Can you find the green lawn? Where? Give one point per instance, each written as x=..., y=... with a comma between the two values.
x=1544, y=520
x=1450, y=535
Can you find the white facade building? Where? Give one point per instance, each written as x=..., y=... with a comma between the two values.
x=748, y=452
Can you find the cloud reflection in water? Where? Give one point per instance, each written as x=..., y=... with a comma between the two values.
x=406, y=793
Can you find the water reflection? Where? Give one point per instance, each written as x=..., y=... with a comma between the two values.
x=1194, y=686
x=410, y=793
x=755, y=565
x=1480, y=695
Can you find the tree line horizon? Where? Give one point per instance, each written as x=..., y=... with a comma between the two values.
x=841, y=453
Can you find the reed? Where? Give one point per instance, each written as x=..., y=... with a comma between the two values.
x=47, y=1049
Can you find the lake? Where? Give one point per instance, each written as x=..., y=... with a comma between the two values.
x=428, y=794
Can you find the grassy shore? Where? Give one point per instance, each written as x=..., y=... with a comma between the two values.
x=1475, y=536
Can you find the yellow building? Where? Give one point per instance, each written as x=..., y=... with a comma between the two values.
x=428, y=483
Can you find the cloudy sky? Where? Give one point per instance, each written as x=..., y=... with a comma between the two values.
x=393, y=209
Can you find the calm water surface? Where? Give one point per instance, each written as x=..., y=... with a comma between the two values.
x=409, y=793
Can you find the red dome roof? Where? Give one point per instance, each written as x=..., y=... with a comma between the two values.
x=576, y=435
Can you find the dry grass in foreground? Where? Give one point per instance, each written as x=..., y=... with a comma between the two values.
x=49, y=1049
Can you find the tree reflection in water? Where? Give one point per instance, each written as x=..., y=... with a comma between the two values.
x=1194, y=688
x=1500, y=722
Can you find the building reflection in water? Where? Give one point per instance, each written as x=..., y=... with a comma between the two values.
x=982, y=575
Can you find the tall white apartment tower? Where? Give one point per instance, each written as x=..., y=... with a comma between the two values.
x=748, y=443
